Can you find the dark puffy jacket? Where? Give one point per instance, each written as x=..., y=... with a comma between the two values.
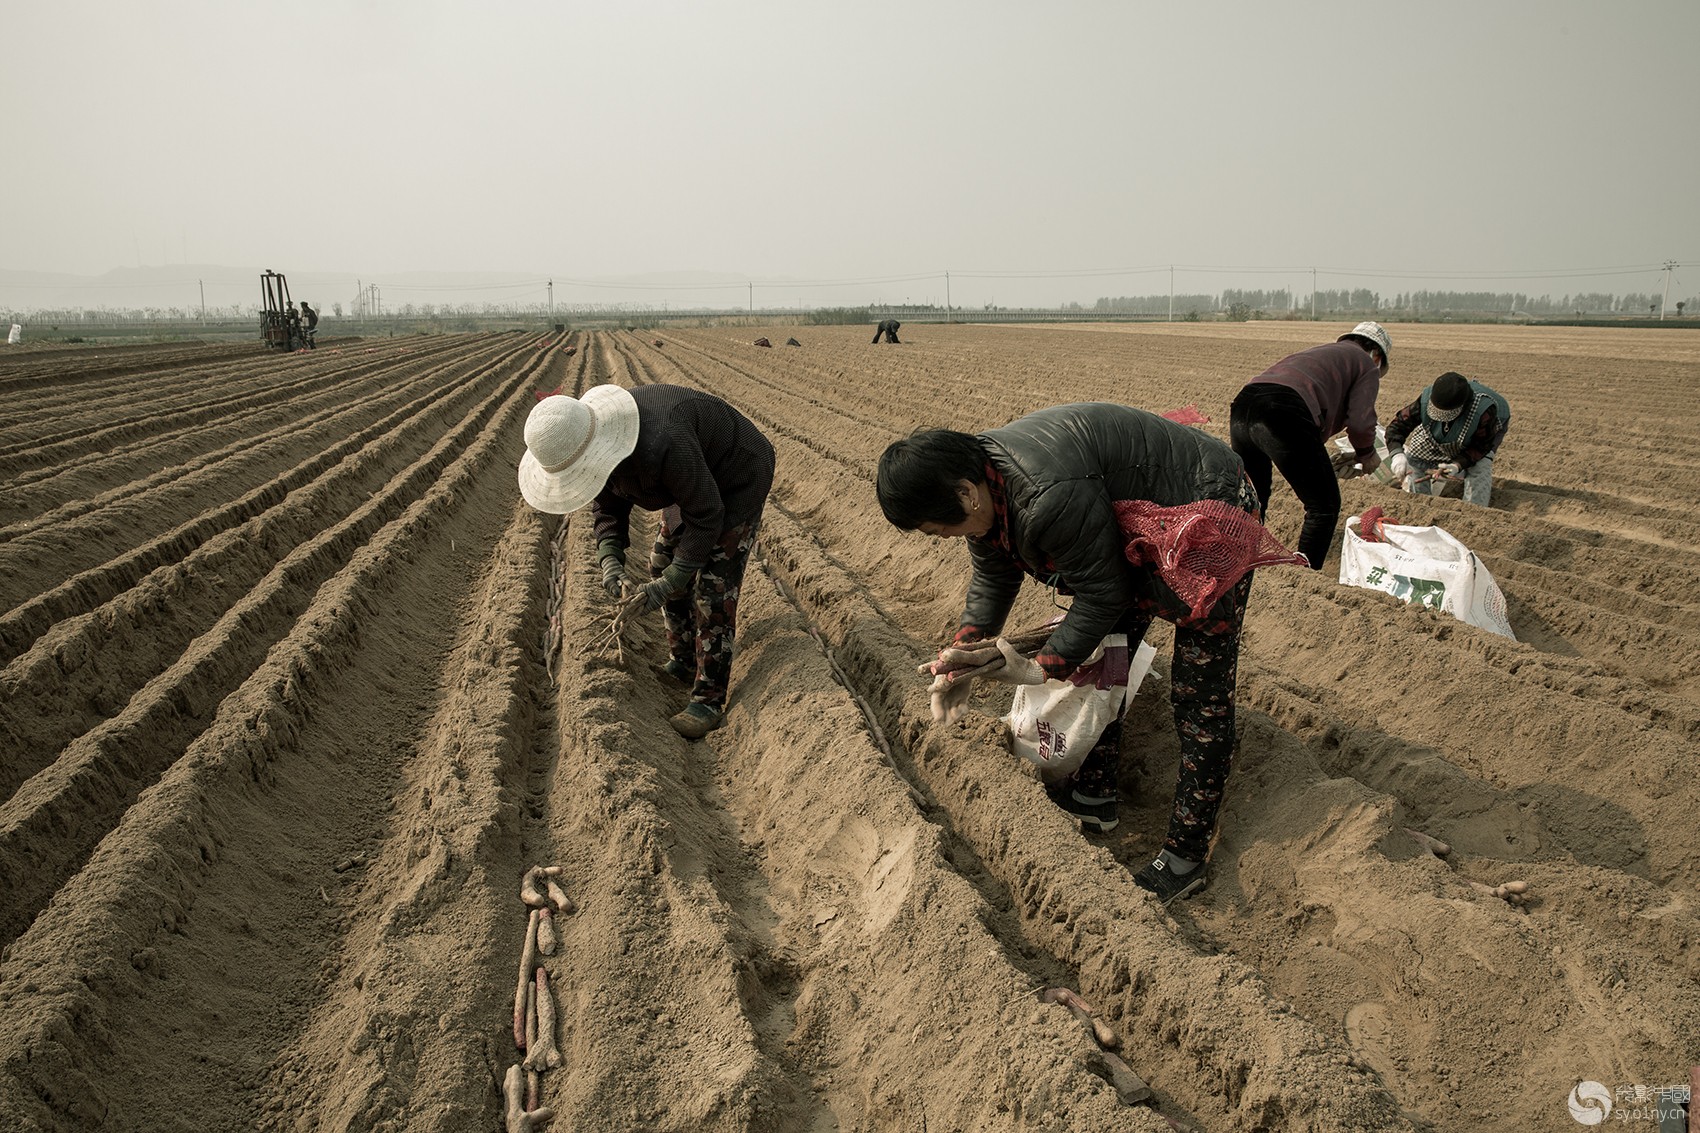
x=1063, y=467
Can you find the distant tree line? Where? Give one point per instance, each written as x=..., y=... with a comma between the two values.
x=1506, y=302
x=1156, y=304
x=1282, y=302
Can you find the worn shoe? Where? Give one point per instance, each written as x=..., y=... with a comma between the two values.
x=1096, y=814
x=697, y=720
x=1160, y=879
x=682, y=671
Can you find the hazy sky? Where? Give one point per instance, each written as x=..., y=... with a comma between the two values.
x=1038, y=152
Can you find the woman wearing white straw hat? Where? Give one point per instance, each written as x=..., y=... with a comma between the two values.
x=706, y=468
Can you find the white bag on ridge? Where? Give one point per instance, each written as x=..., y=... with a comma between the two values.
x=1428, y=567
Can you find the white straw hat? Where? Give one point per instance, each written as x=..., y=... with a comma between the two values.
x=572, y=444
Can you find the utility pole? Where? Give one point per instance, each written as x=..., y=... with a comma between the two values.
x=947, y=296
x=203, y=286
x=1313, y=295
x=1171, y=293
x=551, y=300
x=1670, y=266
x=752, y=298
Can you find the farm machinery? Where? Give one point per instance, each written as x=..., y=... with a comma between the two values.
x=280, y=322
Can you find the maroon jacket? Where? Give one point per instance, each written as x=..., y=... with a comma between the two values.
x=1339, y=382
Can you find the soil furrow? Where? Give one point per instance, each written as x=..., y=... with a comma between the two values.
x=100, y=774
x=141, y=525
x=84, y=475
x=101, y=657
x=99, y=962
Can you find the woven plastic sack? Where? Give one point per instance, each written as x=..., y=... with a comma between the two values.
x=1200, y=549
x=1053, y=725
x=1426, y=567
x=1382, y=474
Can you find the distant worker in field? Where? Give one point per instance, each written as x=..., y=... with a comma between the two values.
x=699, y=462
x=1451, y=432
x=309, y=322
x=887, y=329
x=1283, y=418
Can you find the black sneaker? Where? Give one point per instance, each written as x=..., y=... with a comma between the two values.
x=1168, y=885
x=1096, y=815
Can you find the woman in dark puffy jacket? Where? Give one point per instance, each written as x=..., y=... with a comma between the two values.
x=1036, y=497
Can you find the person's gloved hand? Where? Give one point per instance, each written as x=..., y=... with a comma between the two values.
x=611, y=556
x=1016, y=669
x=613, y=575
x=1400, y=466
x=950, y=696
x=1448, y=470
x=1371, y=461
x=673, y=583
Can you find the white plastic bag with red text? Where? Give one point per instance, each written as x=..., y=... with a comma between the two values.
x=1054, y=725
x=1426, y=567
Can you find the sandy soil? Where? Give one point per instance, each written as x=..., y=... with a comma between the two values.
x=295, y=690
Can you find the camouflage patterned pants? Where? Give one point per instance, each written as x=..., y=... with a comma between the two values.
x=702, y=623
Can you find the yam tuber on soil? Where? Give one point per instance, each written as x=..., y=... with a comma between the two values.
x=1516, y=892
x=530, y=1020
x=546, y=939
x=558, y=897
x=1130, y=1087
x=1080, y=1009
x=1433, y=845
x=519, y=1118
x=543, y=1054
x=527, y=961
x=531, y=887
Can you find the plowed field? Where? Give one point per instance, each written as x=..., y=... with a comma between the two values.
x=295, y=690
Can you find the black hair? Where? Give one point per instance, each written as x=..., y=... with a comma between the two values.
x=1450, y=391
x=918, y=477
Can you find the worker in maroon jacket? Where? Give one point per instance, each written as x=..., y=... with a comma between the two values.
x=1283, y=418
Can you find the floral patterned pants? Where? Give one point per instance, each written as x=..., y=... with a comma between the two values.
x=702, y=623
x=1202, y=676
